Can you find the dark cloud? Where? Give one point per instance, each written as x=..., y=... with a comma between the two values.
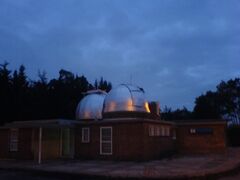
x=175, y=49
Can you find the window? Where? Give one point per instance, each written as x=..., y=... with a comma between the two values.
x=105, y=140
x=162, y=131
x=157, y=131
x=174, y=134
x=13, y=145
x=151, y=130
x=167, y=131
x=193, y=131
x=85, y=135
x=202, y=131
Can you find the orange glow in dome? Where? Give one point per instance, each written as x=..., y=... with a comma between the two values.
x=147, y=107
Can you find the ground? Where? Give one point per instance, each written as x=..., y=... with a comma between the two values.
x=211, y=165
x=234, y=176
x=12, y=175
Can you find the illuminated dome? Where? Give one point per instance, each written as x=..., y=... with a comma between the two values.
x=126, y=98
x=91, y=106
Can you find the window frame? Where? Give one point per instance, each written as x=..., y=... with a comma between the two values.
x=151, y=131
x=14, y=140
x=106, y=141
x=158, y=131
x=167, y=131
x=83, y=135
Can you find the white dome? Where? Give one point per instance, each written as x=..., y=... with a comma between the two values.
x=126, y=98
x=91, y=106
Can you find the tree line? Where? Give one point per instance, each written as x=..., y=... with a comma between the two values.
x=224, y=103
x=25, y=99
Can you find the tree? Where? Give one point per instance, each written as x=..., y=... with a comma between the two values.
x=178, y=114
x=223, y=103
x=42, y=77
x=207, y=106
x=23, y=99
x=5, y=92
x=229, y=95
x=66, y=76
x=39, y=104
x=166, y=113
x=4, y=73
x=20, y=93
x=103, y=85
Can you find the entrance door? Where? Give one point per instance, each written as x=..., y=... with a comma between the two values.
x=67, y=142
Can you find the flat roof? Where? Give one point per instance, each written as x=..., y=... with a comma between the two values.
x=56, y=123
x=49, y=123
x=200, y=122
x=126, y=120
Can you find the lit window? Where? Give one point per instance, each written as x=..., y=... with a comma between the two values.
x=106, y=140
x=13, y=145
x=85, y=135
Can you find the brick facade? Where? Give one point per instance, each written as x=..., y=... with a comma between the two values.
x=130, y=141
x=191, y=141
x=4, y=143
x=28, y=144
x=24, y=144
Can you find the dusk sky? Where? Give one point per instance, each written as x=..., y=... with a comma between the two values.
x=175, y=49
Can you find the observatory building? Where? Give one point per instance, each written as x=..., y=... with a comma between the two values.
x=119, y=125
x=121, y=131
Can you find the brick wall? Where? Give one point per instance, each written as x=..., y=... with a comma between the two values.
x=131, y=141
x=51, y=143
x=28, y=143
x=4, y=143
x=24, y=144
x=188, y=142
x=158, y=146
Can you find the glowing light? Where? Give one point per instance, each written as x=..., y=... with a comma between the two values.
x=147, y=107
x=130, y=105
x=87, y=114
x=112, y=106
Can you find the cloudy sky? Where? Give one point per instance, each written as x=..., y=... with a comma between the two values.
x=175, y=49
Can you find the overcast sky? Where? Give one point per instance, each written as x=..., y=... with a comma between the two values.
x=175, y=49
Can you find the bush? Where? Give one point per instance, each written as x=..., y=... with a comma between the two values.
x=233, y=136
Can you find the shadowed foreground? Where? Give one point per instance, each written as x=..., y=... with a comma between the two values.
x=18, y=175
x=183, y=167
